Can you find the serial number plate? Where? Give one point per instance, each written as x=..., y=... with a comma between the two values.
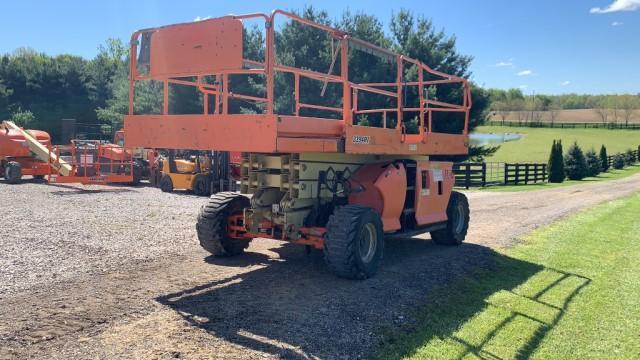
x=361, y=139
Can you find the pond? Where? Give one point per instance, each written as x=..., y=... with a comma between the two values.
x=482, y=139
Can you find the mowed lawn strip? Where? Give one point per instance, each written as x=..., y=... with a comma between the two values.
x=535, y=145
x=569, y=290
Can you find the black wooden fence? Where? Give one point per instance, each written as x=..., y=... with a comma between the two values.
x=487, y=174
x=636, y=156
x=516, y=174
x=470, y=174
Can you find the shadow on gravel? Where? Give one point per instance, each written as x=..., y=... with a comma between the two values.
x=24, y=181
x=248, y=259
x=79, y=191
x=294, y=308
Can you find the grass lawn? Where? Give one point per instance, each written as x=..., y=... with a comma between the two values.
x=536, y=143
x=612, y=174
x=568, y=291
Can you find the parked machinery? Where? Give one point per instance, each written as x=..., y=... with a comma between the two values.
x=204, y=173
x=190, y=172
x=16, y=160
x=144, y=159
x=96, y=161
x=29, y=152
x=332, y=182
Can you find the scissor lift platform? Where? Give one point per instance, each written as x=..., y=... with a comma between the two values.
x=319, y=174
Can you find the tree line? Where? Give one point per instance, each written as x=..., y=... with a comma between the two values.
x=577, y=164
x=514, y=104
x=39, y=90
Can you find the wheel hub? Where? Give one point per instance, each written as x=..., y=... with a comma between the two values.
x=368, y=243
x=458, y=220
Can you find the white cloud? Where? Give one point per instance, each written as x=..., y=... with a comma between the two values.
x=565, y=83
x=504, y=64
x=523, y=87
x=525, y=73
x=617, y=23
x=618, y=5
x=198, y=18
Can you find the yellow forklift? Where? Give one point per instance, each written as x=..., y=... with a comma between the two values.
x=203, y=173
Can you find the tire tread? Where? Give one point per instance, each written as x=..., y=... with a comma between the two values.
x=447, y=235
x=340, y=244
x=211, y=225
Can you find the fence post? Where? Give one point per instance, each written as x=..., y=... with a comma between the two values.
x=526, y=174
x=467, y=175
x=506, y=174
x=484, y=174
x=517, y=173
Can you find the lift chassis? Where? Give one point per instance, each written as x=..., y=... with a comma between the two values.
x=334, y=182
x=341, y=204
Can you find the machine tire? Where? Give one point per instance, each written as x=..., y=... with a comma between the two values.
x=457, y=223
x=38, y=177
x=212, y=224
x=345, y=241
x=201, y=185
x=137, y=173
x=13, y=172
x=166, y=185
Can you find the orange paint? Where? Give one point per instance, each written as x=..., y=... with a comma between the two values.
x=213, y=49
x=382, y=187
x=199, y=47
x=434, y=182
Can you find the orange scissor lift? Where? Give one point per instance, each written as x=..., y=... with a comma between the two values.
x=332, y=182
x=92, y=162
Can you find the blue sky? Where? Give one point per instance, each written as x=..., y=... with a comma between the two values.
x=542, y=46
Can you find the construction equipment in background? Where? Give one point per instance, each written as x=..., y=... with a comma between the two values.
x=317, y=175
x=203, y=173
x=27, y=152
x=30, y=152
x=145, y=159
x=94, y=162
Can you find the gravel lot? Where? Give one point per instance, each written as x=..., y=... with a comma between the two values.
x=57, y=233
x=104, y=272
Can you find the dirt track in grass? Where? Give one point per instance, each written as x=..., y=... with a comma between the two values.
x=83, y=277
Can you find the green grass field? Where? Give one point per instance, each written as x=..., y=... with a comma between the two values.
x=568, y=291
x=536, y=142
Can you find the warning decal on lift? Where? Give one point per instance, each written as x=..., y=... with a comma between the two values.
x=437, y=175
x=361, y=139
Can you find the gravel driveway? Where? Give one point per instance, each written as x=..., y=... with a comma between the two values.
x=104, y=272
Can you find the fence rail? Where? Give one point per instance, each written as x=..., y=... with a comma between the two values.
x=611, y=158
x=515, y=174
x=564, y=125
x=495, y=173
x=470, y=174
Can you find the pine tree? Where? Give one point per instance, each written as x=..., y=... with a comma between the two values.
x=575, y=163
x=604, y=158
x=594, y=164
x=560, y=155
x=556, y=163
x=618, y=161
x=630, y=157
x=551, y=157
